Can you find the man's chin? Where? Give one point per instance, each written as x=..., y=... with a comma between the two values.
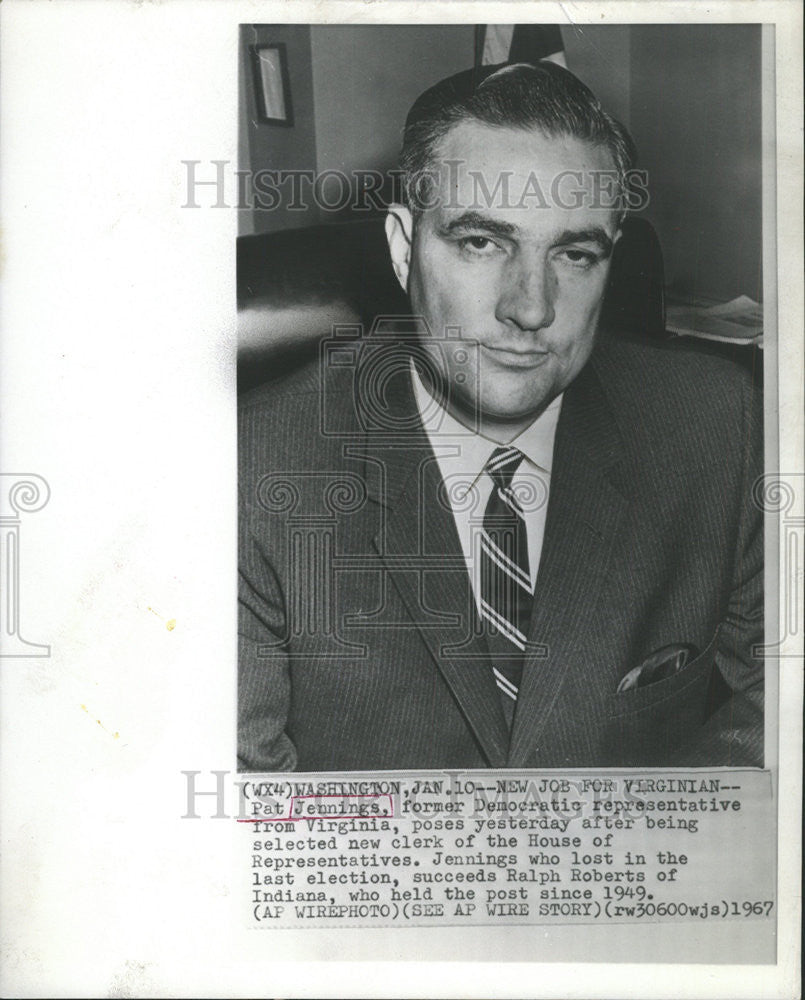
x=513, y=409
x=490, y=415
x=521, y=417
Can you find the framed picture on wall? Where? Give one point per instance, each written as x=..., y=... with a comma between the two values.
x=271, y=83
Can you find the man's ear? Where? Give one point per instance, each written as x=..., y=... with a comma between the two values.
x=399, y=234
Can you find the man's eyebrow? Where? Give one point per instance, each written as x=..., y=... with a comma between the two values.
x=594, y=235
x=496, y=227
x=475, y=220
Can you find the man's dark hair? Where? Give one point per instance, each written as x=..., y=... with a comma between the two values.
x=540, y=96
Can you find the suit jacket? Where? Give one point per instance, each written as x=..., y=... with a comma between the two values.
x=358, y=639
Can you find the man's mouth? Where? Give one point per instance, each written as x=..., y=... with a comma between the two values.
x=515, y=357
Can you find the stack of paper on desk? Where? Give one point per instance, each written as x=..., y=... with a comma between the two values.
x=737, y=322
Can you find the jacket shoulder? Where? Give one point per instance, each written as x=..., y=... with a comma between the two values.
x=675, y=382
x=294, y=421
x=680, y=404
x=670, y=366
x=284, y=390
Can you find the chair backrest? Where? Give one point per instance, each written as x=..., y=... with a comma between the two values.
x=294, y=285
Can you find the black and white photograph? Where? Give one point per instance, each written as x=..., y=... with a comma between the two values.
x=501, y=408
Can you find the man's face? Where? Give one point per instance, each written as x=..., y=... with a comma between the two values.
x=520, y=274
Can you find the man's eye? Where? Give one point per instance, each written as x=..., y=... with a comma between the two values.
x=579, y=258
x=477, y=244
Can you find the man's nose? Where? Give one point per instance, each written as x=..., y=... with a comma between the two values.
x=527, y=296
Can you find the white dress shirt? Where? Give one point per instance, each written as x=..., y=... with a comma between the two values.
x=462, y=455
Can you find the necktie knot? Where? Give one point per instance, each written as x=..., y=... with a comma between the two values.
x=503, y=464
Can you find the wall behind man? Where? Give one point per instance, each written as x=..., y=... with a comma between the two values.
x=351, y=88
x=277, y=147
x=365, y=79
x=695, y=114
x=600, y=56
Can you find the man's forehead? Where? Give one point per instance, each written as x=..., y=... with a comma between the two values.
x=478, y=141
x=503, y=170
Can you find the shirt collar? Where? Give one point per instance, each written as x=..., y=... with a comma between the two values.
x=535, y=442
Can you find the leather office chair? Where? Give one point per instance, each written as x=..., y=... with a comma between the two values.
x=294, y=285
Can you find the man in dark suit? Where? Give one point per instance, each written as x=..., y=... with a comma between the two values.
x=495, y=536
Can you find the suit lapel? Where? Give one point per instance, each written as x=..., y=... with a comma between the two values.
x=420, y=548
x=585, y=515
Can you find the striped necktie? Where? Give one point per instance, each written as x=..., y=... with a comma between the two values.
x=506, y=589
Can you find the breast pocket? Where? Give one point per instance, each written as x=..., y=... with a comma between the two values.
x=646, y=725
